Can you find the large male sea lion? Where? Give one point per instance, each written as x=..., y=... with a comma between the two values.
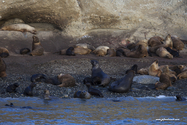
x=98, y=76
x=123, y=85
x=37, y=49
x=155, y=41
x=2, y=68
x=177, y=43
x=164, y=82
x=154, y=69
x=20, y=27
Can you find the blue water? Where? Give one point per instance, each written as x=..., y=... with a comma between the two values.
x=123, y=110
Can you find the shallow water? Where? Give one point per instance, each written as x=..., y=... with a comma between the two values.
x=125, y=110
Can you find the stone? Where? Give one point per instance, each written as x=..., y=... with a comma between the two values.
x=145, y=79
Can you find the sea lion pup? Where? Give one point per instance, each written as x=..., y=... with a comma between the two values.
x=38, y=77
x=101, y=50
x=111, y=53
x=143, y=71
x=162, y=52
x=94, y=91
x=29, y=89
x=70, y=51
x=98, y=76
x=177, y=43
x=154, y=69
x=25, y=51
x=2, y=68
x=81, y=51
x=66, y=80
x=164, y=82
x=37, y=49
x=4, y=52
x=168, y=41
x=139, y=52
x=47, y=95
x=155, y=41
x=123, y=85
x=82, y=94
x=120, y=52
x=85, y=45
x=179, y=98
x=20, y=27
x=134, y=67
x=12, y=88
x=173, y=52
x=182, y=75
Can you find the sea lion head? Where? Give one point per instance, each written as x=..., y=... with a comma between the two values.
x=178, y=98
x=35, y=39
x=95, y=63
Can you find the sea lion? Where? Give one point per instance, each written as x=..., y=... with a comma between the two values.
x=154, y=49
x=155, y=41
x=70, y=51
x=120, y=52
x=154, y=69
x=37, y=49
x=20, y=27
x=162, y=52
x=82, y=94
x=94, y=91
x=53, y=80
x=124, y=84
x=101, y=50
x=25, y=51
x=4, y=52
x=164, y=82
x=143, y=71
x=173, y=52
x=13, y=21
x=98, y=76
x=85, y=45
x=182, y=75
x=66, y=80
x=177, y=68
x=12, y=88
x=82, y=51
x=111, y=53
x=2, y=68
x=168, y=41
x=172, y=74
x=177, y=43
x=47, y=95
x=139, y=52
x=134, y=68
x=29, y=89
x=179, y=98
x=38, y=77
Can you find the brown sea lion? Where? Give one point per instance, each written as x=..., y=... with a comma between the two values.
x=4, y=52
x=66, y=80
x=94, y=91
x=111, y=53
x=82, y=94
x=123, y=85
x=154, y=69
x=164, y=82
x=98, y=76
x=139, y=52
x=172, y=74
x=177, y=68
x=82, y=51
x=101, y=50
x=2, y=68
x=20, y=27
x=162, y=52
x=177, y=43
x=182, y=75
x=154, y=49
x=155, y=41
x=37, y=49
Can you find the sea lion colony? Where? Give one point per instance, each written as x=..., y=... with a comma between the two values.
x=167, y=48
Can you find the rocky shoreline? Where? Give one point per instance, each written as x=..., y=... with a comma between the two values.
x=21, y=69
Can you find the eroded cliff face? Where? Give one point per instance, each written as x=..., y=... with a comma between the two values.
x=125, y=19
